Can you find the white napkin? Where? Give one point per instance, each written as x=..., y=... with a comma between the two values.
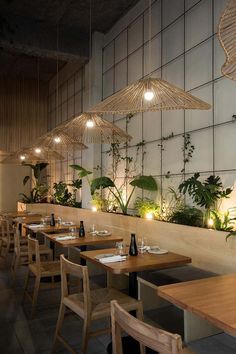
x=34, y=226
x=64, y=238
x=117, y=258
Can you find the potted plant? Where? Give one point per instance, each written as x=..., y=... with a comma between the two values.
x=40, y=189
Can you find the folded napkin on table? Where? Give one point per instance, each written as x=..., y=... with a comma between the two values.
x=111, y=259
x=63, y=238
x=35, y=225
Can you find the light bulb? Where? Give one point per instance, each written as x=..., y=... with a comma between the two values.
x=210, y=222
x=94, y=208
x=149, y=216
x=90, y=123
x=148, y=95
x=22, y=157
x=57, y=139
x=37, y=150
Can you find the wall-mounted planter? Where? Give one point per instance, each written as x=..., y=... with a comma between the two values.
x=207, y=248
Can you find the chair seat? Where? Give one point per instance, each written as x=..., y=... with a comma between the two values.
x=100, y=300
x=47, y=269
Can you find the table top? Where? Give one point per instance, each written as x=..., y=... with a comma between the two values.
x=48, y=228
x=82, y=241
x=138, y=263
x=20, y=214
x=213, y=298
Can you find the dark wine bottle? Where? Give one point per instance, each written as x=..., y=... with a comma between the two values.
x=81, y=229
x=52, y=220
x=133, y=250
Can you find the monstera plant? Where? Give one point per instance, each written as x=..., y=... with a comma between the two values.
x=40, y=190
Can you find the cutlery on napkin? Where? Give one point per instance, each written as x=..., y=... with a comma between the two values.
x=36, y=225
x=117, y=258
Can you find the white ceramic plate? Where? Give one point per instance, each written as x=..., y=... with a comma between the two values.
x=157, y=250
x=104, y=255
x=103, y=233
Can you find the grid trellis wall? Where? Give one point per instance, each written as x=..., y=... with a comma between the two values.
x=63, y=104
x=187, y=53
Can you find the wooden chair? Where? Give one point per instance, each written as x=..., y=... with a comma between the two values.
x=89, y=304
x=148, y=336
x=7, y=238
x=39, y=270
x=20, y=253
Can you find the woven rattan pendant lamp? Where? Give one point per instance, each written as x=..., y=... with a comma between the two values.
x=149, y=94
x=30, y=155
x=57, y=139
x=227, y=37
x=91, y=128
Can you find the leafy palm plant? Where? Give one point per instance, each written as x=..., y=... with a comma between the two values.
x=143, y=182
x=40, y=189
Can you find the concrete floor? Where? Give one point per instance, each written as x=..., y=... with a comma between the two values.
x=20, y=334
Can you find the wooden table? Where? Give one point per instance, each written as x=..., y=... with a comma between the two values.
x=16, y=214
x=82, y=242
x=213, y=299
x=135, y=264
x=48, y=228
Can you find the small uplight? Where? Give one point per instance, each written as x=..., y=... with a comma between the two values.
x=57, y=139
x=94, y=209
x=22, y=157
x=90, y=123
x=149, y=216
x=37, y=150
x=148, y=95
x=210, y=223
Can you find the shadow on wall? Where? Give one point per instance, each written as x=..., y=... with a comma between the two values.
x=11, y=184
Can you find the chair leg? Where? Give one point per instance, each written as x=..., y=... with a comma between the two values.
x=35, y=295
x=139, y=315
x=85, y=337
x=26, y=285
x=59, y=324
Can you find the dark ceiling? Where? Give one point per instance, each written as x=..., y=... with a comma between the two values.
x=28, y=30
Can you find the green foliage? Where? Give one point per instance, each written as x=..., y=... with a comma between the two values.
x=207, y=193
x=82, y=172
x=39, y=190
x=143, y=182
x=61, y=195
x=76, y=184
x=187, y=215
x=37, y=168
x=145, y=206
x=222, y=221
x=101, y=183
x=99, y=202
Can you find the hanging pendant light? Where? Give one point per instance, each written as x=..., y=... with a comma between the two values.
x=57, y=139
x=150, y=94
x=91, y=128
x=227, y=37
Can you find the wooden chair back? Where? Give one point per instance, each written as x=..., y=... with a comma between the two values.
x=148, y=336
x=33, y=252
x=17, y=241
x=5, y=229
x=81, y=273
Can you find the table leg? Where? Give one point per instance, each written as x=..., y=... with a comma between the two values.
x=82, y=260
x=133, y=285
x=52, y=246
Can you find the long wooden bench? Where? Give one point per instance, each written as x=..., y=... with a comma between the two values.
x=149, y=281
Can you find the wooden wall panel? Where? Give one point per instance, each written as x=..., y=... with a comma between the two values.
x=23, y=112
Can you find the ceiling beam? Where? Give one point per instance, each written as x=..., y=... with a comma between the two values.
x=40, y=39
